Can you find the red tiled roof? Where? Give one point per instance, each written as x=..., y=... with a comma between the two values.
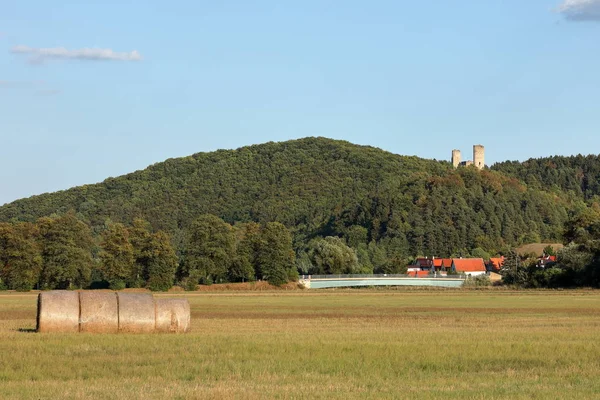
x=419, y=274
x=497, y=263
x=442, y=262
x=423, y=262
x=469, y=264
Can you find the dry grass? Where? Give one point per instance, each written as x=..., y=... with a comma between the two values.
x=333, y=344
x=537, y=248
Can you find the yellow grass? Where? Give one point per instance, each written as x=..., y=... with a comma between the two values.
x=332, y=344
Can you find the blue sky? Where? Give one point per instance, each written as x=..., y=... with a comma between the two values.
x=93, y=89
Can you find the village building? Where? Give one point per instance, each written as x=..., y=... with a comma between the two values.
x=425, y=266
x=469, y=266
x=546, y=261
x=495, y=264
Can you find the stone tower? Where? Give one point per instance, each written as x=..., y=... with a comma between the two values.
x=456, y=158
x=479, y=156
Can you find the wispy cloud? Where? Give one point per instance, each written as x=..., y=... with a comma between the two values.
x=39, y=55
x=580, y=10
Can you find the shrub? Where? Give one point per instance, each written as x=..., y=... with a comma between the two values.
x=478, y=281
x=117, y=284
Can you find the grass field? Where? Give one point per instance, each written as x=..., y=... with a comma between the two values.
x=332, y=344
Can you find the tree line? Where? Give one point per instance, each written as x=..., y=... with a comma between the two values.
x=61, y=252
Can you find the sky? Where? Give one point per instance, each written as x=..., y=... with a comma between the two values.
x=99, y=88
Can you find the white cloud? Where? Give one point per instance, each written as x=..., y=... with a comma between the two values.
x=40, y=55
x=580, y=10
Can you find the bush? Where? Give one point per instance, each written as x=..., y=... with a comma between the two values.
x=293, y=275
x=478, y=281
x=117, y=285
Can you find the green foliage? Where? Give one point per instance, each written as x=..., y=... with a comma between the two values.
x=513, y=271
x=387, y=208
x=162, y=263
x=66, y=249
x=20, y=258
x=117, y=284
x=245, y=264
x=331, y=256
x=116, y=255
x=480, y=253
x=320, y=187
x=549, y=251
x=140, y=237
x=478, y=281
x=276, y=255
x=210, y=247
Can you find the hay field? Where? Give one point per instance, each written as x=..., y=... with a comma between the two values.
x=330, y=345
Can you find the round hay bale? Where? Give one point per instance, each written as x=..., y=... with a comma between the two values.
x=99, y=312
x=172, y=315
x=136, y=313
x=58, y=311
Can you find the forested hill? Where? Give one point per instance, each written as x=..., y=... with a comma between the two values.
x=579, y=174
x=322, y=187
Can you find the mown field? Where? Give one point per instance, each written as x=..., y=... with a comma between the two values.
x=332, y=344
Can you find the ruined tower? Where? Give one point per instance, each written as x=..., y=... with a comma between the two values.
x=479, y=156
x=456, y=158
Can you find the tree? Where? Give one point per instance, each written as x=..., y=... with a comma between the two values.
x=245, y=262
x=549, y=251
x=276, y=254
x=364, y=261
x=480, y=253
x=20, y=258
x=210, y=248
x=140, y=237
x=162, y=263
x=66, y=250
x=116, y=256
x=513, y=273
x=356, y=236
x=331, y=256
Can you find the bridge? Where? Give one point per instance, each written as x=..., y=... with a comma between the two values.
x=334, y=281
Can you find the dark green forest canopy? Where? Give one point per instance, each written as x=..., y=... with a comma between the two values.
x=578, y=175
x=319, y=187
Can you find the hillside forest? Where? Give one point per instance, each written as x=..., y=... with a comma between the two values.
x=308, y=206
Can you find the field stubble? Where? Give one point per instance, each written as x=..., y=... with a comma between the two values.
x=332, y=344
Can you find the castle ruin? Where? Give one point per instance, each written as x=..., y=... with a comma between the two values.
x=478, y=158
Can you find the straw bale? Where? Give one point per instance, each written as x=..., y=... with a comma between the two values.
x=99, y=312
x=136, y=313
x=58, y=311
x=172, y=315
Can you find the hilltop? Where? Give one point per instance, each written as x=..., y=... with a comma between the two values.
x=321, y=187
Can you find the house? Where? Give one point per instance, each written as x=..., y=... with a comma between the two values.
x=442, y=264
x=495, y=264
x=546, y=261
x=421, y=264
x=469, y=266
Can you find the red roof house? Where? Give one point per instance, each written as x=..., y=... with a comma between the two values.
x=469, y=266
x=442, y=263
x=496, y=264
